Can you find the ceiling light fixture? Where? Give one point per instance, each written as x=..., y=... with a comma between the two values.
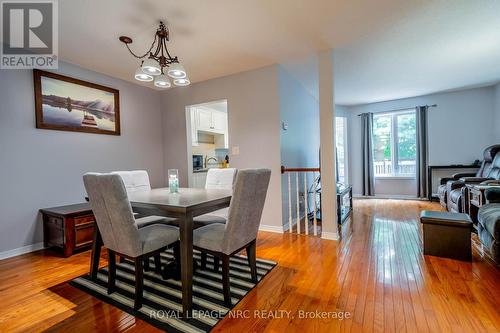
x=182, y=82
x=141, y=76
x=154, y=62
x=162, y=81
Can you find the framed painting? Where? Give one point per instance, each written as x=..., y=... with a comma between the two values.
x=67, y=104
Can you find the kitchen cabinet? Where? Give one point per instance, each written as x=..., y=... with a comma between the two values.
x=219, y=121
x=204, y=120
x=211, y=121
x=194, y=130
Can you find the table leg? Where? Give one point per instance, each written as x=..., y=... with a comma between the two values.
x=186, y=236
x=96, y=253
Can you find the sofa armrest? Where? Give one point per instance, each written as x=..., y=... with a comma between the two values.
x=491, y=182
x=454, y=184
x=463, y=174
x=492, y=195
x=443, y=181
x=474, y=180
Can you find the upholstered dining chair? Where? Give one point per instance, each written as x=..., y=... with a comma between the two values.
x=136, y=181
x=119, y=230
x=240, y=231
x=217, y=179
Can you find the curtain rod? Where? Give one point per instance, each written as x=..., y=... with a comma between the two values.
x=393, y=110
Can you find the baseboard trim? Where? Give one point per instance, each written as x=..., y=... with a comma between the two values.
x=271, y=228
x=329, y=235
x=21, y=250
x=389, y=196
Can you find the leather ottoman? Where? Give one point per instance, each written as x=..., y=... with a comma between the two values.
x=447, y=234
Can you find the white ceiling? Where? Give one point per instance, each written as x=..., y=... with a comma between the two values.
x=385, y=49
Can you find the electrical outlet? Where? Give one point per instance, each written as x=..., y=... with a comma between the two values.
x=235, y=150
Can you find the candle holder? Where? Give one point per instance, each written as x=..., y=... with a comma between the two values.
x=173, y=180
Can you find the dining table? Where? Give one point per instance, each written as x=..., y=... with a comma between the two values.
x=184, y=205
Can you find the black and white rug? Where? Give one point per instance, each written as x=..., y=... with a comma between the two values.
x=162, y=304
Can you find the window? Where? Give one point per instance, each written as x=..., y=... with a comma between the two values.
x=341, y=151
x=394, y=144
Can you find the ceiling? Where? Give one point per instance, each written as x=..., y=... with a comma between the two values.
x=384, y=49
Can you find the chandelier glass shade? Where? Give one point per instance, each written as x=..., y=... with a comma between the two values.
x=176, y=71
x=157, y=64
x=151, y=67
x=182, y=82
x=162, y=81
x=141, y=76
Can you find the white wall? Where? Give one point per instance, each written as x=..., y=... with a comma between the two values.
x=254, y=123
x=459, y=128
x=299, y=109
x=44, y=168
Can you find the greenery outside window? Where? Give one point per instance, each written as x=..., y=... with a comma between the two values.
x=395, y=144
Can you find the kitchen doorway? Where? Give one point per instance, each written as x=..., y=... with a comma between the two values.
x=208, y=140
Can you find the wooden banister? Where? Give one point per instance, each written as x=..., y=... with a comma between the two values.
x=283, y=169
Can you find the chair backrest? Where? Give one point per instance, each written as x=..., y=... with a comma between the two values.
x=495, y=168
x=220, y=179
x=135, y=180
x=113, y=213
x=489, y=155
x=246, y=207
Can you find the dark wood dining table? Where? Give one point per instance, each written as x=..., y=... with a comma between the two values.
x=184, y=205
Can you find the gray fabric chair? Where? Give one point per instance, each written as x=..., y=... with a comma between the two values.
x=222, y=179
x=135, y=181
x=240, y=231
x=119, y=230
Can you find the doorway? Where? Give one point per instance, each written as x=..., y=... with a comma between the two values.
x=207, y=133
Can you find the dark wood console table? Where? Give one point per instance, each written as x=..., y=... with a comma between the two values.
x=68, y=228
x=344, y=203
x=431, y=168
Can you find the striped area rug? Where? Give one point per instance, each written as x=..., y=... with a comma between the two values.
x=162, y=304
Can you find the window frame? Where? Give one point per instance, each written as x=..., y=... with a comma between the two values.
x=346, y=148
x=394, y=143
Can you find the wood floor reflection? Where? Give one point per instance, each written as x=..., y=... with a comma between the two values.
x=378, y=277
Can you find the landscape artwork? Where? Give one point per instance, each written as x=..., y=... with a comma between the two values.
x=68, y=104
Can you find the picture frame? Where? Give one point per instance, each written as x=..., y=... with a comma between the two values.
x=64, y=103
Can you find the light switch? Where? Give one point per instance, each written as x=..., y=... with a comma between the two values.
x=235, y=150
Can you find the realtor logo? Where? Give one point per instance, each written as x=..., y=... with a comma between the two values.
x=29, y=34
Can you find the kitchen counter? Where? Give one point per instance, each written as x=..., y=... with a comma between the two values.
x=200, y=170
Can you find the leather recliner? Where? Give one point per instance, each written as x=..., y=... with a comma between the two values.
x=488, y=227
x=457, y=193
x=451, y=189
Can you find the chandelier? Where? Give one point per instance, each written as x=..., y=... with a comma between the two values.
x=155, y=63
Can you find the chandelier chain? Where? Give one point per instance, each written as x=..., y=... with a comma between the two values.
x=147, y=52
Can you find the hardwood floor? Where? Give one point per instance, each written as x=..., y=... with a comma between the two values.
x=378, y=275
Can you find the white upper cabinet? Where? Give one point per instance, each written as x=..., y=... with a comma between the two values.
x=219, y=121
x=209, y=121
x=194, y=130
x=204, y=120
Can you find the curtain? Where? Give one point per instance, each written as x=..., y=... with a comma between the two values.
x=422, y=161
x=367, y=150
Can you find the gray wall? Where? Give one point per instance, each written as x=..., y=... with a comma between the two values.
x=460, y=127
x=44, y=168
x=300, y=142
x=254, y=123
x=496, y=122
